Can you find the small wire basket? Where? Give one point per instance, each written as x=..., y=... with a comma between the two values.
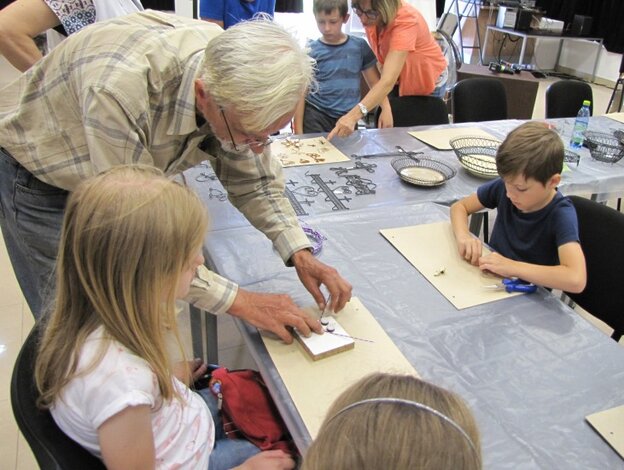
x=477, y=155
x=422, y=171
x=571, y=157
x=604, y=147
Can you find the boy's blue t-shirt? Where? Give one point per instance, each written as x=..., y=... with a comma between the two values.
x=234, y=11
x=532, y=237
x=339, y=68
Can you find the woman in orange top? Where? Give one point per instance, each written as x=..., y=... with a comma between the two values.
x=411, y=60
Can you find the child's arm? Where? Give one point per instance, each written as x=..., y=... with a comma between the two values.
x=568, y=276
x=127, y=441
x=372, y=76
x=298, y=119
x=268, y=460
x=389, y=75
x=469, y=246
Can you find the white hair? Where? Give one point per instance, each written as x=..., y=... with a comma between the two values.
x=257, y=69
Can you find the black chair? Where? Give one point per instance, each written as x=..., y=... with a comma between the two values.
x=600, y=230
x=479, y=99
x=51, y=447
x=565, y=97
x=416, y=111
x=618, y=89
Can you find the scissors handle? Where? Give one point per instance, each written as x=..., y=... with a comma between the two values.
x=516, y=285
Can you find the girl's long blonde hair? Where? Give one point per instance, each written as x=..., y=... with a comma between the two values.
x=127, y=235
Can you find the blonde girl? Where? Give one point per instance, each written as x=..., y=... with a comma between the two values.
x=396, y=422
x=130, y=245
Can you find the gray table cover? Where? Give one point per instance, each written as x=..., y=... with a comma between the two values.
x=530, y=368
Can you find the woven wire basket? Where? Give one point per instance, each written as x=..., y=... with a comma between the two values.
x=477, y=155
x=422, y=171
x=604, y=147
x=571, y=157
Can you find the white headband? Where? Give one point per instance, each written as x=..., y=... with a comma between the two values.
x=420, y=406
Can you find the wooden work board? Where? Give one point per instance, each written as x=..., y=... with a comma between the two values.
x=439, y=138
x=431, y=248
x=314, y=385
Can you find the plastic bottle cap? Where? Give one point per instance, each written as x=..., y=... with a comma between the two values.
x=586, y=103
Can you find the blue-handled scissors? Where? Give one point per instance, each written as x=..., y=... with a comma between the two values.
x=518, y=285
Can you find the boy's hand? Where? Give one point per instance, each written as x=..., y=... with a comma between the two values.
x=497, y=264
x=470, y=248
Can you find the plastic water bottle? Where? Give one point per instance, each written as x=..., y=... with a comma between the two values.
x=580, y=126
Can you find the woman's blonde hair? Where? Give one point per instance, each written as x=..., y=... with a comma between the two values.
x=127, y=235
x=258, y=69
x=408, y=434
x=387, y=9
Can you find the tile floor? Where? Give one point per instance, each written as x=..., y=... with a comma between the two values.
x=16, y=320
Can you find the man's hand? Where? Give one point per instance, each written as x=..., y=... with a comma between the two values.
x=273, y=312
x=313, y=273
x=268, y=460
x=470, y=248
x=498, y=264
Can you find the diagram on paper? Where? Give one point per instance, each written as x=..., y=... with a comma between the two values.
x=313, y=151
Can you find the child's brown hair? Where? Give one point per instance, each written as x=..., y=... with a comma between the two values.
x=532, y=150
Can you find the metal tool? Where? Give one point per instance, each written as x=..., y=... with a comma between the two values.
x=349, y=336
x=326, y=308
x=514, y=285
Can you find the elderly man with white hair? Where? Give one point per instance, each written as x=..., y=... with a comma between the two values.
x=171, y=92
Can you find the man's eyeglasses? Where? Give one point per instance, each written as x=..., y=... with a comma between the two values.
x=370, y=14
x=249, y=142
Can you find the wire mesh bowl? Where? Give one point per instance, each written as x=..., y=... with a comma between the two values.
x=571, y=157
x=477, y=155
x=422, y=171
x=604, y=147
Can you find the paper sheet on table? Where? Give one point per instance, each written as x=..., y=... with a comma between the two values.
x=314, y=385
x=313, y=151
x=431, y=248
x=616, y=116
x=610, y=425
x=439, y=138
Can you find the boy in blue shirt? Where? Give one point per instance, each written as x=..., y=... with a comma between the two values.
x=535, y=236
x=226, y=13
x=340, y=60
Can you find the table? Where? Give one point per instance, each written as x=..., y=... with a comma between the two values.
x=536, y=34
x=530, y=368
x=520, y=88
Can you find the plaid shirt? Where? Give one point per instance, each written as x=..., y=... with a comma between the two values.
x=122, y=91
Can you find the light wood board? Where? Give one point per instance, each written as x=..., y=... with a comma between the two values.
x=312, y=151
x=439, y=138
x=610, y=425
x=314, y=385
x=431, y=248
x=327, y=344
x=616, y=116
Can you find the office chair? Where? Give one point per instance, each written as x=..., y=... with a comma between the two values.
x=51, y=447
x=479, y=99
x=600, y=229
x=565, y=97
x=416, y=111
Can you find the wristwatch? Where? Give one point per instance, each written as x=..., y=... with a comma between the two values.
x=363, y=109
